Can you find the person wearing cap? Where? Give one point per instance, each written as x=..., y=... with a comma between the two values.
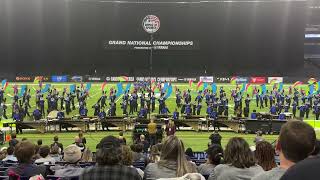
x=72, y=156
x=108, y=158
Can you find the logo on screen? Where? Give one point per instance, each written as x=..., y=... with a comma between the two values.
x=151, y=24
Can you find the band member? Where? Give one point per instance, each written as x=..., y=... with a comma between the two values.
x=17, y=117
x=37, y=114
x=102, y=118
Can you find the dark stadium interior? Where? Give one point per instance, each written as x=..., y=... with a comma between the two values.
x=67, y=36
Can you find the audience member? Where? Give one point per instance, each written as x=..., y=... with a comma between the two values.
x=122, y=139
x=3, y=153
x=170, y=128
x=264, y=155
x=78, y=142
x=72, y=156
x=138, y=154
x=24, y=152
x=173, y=162
x=13, y=142
x=152, y=131
x=189, y=154
x=55, y=153
x=10, y=156
x=87, y=155
x=82, y=138
x=45, y=157
x=316, y=150
x=215, y=156
x=39, y=142
x=109, y=155
x=56, y=142
x=307, y=169
x=189, y=176
x=215, y=138
x=145, y=143
x=127, y=159
x=155, y=153
x=295, y=143
x=239, y=162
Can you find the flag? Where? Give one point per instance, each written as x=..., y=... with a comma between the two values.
x=103, y=85
x=123, y=78
x=88, y=86
x=127, y=88
x=311, y=89
x=72, y=88
x=233, y=80
x=165, y=86
x=243, y=87
x=205, y=86
x=190, y=83
x=3, y=82
x=297, y=84
x=199, y=84
x=263, y=89
x=22, y=90
x=169, y=92
x=312, y=80
x=280, y=87
x=46, y=88
x=214, y=87
x=119, y=89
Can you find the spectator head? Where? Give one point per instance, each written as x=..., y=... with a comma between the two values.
x=142, y=137
x=316, y=150
x=80, y=134
x=296, y=141
x=264, y=155
x=44, y=151
x=10, y=150
x=39, y=142
x=189, y=152
x=24, y=151
x=173, y=150
x=133, y=147
x=126, y=156
x=72, y=154
x=215, y=138
x=109, y=151
x=24, y=139
x=155, y=153
x=55, y=139
x=13, y=135
x=87, y=155
x=121, y=133
x=238, y=153
x=139, y=148
x=55, y=149
x=215, y=154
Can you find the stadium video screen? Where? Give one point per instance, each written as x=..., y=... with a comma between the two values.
x=192, y=38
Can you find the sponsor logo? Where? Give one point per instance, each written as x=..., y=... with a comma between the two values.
x=23, y=78
x=275, y=79
x=145, y=78
x=116, y=79
x=167, y=79
x=76, y=78
x=223, y=79
x=208, y=79
x=41, y=78
x=239, y=79
x=257, y=80
x=94, y=79
x=59, y=78
x=151, y=24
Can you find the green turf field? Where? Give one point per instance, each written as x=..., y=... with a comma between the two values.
x=95, y=93
x=198, y=141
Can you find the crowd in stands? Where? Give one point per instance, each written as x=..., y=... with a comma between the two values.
x=297, y=150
